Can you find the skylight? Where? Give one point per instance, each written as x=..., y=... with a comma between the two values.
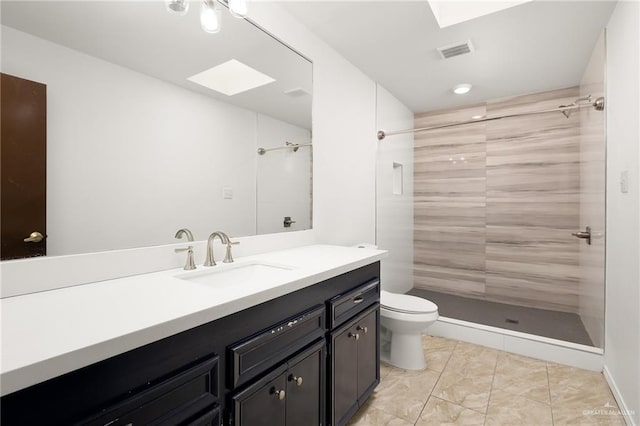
x=231, y=77
x=449, y=13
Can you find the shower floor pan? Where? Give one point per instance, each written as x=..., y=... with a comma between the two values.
x=556, y=325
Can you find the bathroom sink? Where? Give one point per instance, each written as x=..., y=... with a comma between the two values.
x=231, y=275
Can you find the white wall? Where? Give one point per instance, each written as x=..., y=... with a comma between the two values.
x=395, y=211
x=622, y=332
x=132, y=159
x=283, y=177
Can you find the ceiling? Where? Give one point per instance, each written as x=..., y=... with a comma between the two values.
x=143, y=36
x=535, y=46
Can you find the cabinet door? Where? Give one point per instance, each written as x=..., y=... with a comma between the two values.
x=305, y=388
x=368, y=355
x=344, y=374
x=263, y=403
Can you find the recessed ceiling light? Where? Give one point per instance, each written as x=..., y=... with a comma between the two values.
x=231, y=77
x=477, y=117
x=461, y=89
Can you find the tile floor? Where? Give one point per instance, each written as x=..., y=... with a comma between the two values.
x=466, y=384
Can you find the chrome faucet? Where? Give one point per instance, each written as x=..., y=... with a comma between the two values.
x=184, y=231
x=224, y=239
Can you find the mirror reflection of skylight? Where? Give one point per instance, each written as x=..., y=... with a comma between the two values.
x=449, y=12
x=231, y=77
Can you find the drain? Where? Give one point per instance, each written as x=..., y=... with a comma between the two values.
x=512, y=321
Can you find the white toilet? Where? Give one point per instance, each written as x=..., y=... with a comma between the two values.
x=403, y=319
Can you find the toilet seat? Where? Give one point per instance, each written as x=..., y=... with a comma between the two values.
x=406, y=304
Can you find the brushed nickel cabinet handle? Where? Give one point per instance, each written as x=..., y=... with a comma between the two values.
x=354, y=335
x=360, y=328
x=279, y=394
x=358, y=299
x=298, y=380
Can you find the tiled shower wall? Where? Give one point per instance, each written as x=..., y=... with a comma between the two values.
x=495, y=203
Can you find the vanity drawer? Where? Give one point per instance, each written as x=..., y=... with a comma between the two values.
x=346, y=306
x=185, y=399
x=255, y=355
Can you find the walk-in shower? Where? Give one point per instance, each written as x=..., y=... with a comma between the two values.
x=507, y=195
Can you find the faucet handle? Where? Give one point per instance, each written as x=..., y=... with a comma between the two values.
x=191, y=264
x=228, y=258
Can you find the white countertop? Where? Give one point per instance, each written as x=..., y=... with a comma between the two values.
x=47, y=334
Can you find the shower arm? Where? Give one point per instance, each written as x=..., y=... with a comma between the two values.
x=578, y=104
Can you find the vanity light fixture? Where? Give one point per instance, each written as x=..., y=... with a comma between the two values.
x=210, y=16
x=461, y=89
x=210, y=13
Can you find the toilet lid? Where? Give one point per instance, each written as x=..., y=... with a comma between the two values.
x=406, y=303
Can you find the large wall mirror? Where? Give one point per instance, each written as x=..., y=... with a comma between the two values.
x=150, y=125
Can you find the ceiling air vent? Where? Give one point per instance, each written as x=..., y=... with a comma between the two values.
x=457, y=49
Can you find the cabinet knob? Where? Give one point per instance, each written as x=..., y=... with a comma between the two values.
x=297, y=380
x=355, y=336
x=279, y=394
x=362, y=329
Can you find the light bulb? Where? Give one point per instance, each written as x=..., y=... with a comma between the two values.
x=210, y=16
x=177, y=7
x=238, y=8
x=461, y=89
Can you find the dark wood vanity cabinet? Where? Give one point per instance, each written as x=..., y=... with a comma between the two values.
x=354, y=364
x=187, y=398
x=354, y=354
x=292, y=394
x=323, y=373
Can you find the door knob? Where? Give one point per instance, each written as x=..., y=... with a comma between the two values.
x=586, y=234
x=297, y=380
x=35, y=237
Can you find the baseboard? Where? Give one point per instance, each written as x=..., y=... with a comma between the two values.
x=624, y=408
x=575, y=355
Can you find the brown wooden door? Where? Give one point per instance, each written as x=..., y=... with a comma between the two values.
x=23, y=162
